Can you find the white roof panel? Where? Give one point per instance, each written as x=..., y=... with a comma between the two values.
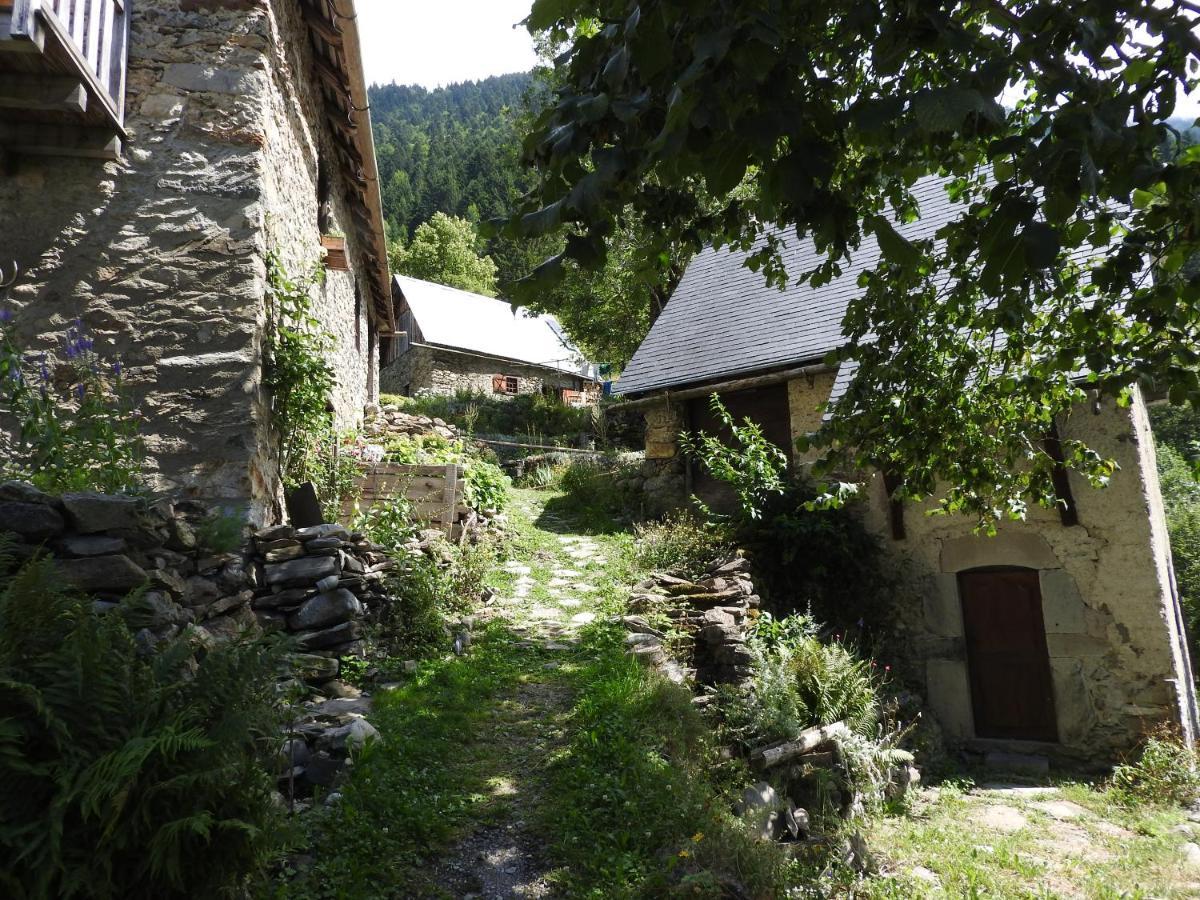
x=461, y=320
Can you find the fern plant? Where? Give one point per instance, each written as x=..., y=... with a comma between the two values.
x=124, y=775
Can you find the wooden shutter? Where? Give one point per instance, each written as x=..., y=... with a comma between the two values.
x=498, y=384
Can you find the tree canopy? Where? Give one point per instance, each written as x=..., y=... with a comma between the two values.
x=446, y=250
x=1045, y=120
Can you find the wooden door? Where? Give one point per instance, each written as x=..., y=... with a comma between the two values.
x=1011, y=688
x=765, y=406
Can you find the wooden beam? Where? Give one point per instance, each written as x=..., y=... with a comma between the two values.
x=322, y=26
x=57, y=93
x=736, y=384
x=41, y=139
x=1068, y=512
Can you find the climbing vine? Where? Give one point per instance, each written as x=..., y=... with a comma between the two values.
x=295, y=369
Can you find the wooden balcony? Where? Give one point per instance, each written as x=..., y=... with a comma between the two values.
x=62, y=76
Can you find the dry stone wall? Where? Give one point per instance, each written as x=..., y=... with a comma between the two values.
x=163, y=252
x=427, y=370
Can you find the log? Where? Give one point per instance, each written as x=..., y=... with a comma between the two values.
x=809, y=739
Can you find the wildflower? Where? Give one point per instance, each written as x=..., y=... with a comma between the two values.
x=684, y=854
x=698, y=836
x=6, y=315
x=116, y=368
x=80, y=390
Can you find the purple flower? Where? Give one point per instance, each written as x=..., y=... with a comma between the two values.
x=80, y=390
x=116, y=368
x=6, y=315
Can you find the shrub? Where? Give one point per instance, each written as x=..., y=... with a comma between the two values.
x=77, y=425
x=801, y=682
x=821, y=562
x=127, y=776
x=681, y=543
x=487, y=485
x=592, y=484
x=536, y=416
x=753, y=466
x=1166, y=773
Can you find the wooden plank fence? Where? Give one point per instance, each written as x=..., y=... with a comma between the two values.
x=437, y=493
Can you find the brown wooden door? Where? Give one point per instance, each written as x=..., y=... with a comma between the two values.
x=765, y=406
x=1011, y=688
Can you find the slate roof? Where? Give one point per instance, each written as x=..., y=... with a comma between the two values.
x=460, y=320
x=724, y=321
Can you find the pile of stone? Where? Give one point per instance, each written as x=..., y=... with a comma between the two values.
x=318, y=583
x=316, y=753
x=109, y=545
x=710, y=613
x=382, y=422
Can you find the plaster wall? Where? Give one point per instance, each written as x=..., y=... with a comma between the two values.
x=162, y=253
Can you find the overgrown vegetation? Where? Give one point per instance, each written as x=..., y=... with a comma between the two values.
x=1166, y=773
x=539, y=418
x=77, y=425
x=126, y=775
x=300, y=380
x=1177, y=433
x=639, y=811
x=486, y=484
x=682, y=543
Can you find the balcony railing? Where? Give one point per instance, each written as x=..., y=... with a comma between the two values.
x=62, y=64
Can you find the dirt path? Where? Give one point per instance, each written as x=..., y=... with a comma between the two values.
x=549, y=588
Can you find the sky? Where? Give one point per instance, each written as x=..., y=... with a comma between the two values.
x=443, y=41
x=440, y=42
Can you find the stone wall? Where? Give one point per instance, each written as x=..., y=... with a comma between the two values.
x=163, y=252
x=428, y=370
x=1113, y=631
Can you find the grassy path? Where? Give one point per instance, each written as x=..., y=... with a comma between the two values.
x=454, y=801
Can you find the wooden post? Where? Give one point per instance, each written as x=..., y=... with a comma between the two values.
x=450, y=498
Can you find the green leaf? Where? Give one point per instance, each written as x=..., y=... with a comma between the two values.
x=896, y=248
x=1041, y=243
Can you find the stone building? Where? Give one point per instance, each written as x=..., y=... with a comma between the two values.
x=1061, y=634
x=156, y=154
x=453, y=341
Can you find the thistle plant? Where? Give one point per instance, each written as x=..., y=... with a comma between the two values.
x=76, y=424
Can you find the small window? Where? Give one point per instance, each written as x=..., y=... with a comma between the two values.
x=505, y=384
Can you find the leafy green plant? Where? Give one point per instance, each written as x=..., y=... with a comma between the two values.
x=681, y=543
x=128, y=776
x=77, y=426
x=1167, y=772
x=222, y=532
x=591, y=484
x=753, y=466
x=486, y=484
x=295, y=368
x=389, y=524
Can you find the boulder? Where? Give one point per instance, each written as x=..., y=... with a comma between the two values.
x=89, y=512
x=91, y=545
x=761, y=807
x=180, y=535
x=329, y=608
x=320, y=531
x=34, y=522
x=283, y=554
x=330, y=637
x=199, y=591
x=22, y=492
x=323, y=770
x=116, y=574
x=290, y=597
x=353, y=736
x=303, y=571
x=311, y=667
x=274, y=533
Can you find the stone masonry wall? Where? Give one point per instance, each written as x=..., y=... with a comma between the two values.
x=1112, y=630
x=426, y=370
x=162, y=253
x=298, y=140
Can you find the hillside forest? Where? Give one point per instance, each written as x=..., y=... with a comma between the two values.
x=457, y=151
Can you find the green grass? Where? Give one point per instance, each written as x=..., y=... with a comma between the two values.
x=415, y=790
x=1108, y=851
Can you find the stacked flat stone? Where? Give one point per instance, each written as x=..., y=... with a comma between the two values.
x=382, y=422
x=316, y=748
x=712, y=611
x=109, y=545
x=318, y=583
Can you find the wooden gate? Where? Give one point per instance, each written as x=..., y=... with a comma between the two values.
x=1012, y=692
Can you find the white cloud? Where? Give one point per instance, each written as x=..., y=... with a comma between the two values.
x=443, y=41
